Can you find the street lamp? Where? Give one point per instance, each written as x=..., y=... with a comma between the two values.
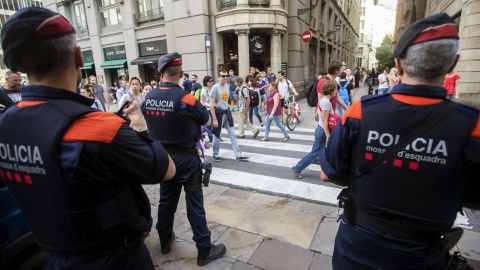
x=337, y=27
x=313, y=3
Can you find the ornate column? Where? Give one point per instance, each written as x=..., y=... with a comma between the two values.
x=243, y=55
x=276, y=49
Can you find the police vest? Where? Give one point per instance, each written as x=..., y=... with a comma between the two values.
x=425, y=182
x=164, y=114
x=62, y=213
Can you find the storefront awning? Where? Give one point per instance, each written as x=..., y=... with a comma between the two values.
x=145, y=60
x=88, y=65
x=114, y=64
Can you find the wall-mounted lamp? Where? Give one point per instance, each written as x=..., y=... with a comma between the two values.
x=337, y=27
x=349, y=39
x=313, y=3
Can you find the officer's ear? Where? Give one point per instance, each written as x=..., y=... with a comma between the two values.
x=398, y=64
x=181, y=74
x=78, y=57
x=454, y=63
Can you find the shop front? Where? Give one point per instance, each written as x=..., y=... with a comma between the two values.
x=115, y=64
x=88, y=64
x=258, y=50
x=150, y=52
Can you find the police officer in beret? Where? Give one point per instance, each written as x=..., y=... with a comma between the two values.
x=75, y=172
x=399, y=211
x=174, y=118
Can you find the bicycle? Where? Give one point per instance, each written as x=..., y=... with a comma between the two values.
x=294, y=114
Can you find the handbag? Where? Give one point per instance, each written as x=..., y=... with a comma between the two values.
x=333, y=119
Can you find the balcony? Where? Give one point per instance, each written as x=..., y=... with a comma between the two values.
x=259, y=3
x=226, y=4
x=82, y=32
x=149, y=15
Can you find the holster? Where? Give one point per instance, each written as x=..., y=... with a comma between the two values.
x=446, y=240
x=346, y=202
x=195, y=184
x=206, y=171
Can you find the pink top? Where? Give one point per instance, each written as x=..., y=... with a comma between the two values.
x=271, y=103
x=449, y=83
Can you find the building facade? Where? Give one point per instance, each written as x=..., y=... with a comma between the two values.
x=466, y=14
x=122, y=38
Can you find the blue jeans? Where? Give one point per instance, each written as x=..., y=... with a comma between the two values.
x=231, y=94
x=252, y=110
x=319, y=144
x=341, y=111
x=233, y=139
x=382, y=90
x=210, y=128
x=276, y=118
x=361, y=247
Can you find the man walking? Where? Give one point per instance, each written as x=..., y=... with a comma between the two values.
x=99, y=92
x=400, y=206
x=270, y=75
x=232, y=93
x=187, y=84
x=222, y=117
x=244, y=104
x=78, y=172
x=195, y=84
x=122, y=90
x=174, y=118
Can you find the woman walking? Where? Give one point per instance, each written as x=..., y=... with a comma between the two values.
x=274, y=110
x=205, y=100
x=451, y=84
x=262, y=86
x=87, y=91
x=322, y=132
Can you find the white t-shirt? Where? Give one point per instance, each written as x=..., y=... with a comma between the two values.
x=283, y=88
x=325, y=105
x=206, y=94
x=383, y=77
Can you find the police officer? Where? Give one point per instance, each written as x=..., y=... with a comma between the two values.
x=75, y=172
x=400, y=213
x=174, y=117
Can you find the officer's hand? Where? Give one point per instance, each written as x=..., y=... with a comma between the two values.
x=215, y=123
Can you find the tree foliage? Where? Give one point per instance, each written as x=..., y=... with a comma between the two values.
x=384, y=53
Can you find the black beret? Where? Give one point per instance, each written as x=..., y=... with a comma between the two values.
x=438, y=26
x=29, y=25
x=169, y=60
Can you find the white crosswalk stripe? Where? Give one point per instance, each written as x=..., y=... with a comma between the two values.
x=274, y=134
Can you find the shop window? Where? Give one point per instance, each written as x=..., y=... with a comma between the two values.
x=147, y=10
x=109, y=12
x=79, y=19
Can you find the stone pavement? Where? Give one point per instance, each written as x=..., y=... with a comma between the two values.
x=262, y=231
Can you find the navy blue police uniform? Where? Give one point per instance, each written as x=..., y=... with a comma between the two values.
x=403, y=209
x=77, y=178
x=173, y=118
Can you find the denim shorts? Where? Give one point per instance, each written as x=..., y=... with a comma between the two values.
x=232, y=96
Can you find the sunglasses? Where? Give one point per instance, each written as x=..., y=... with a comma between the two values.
x=210, y=81
x=224, y=76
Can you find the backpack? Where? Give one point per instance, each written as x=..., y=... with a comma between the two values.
x=197, y=93
x=254, y=97
x=312, y=96
x=343, y=92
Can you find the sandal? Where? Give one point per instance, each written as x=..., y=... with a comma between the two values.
x=264, y=139
x=286, y=139
x=296, y=174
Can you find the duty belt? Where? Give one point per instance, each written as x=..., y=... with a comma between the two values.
x=178, y=151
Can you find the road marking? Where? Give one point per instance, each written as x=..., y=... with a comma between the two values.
x=275, y=134
x=272, y=145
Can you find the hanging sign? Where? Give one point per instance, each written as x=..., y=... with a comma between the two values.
x=258, y=45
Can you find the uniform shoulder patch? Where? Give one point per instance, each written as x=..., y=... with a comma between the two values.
x=354, y=111
x=94, y=127
x=188, y=99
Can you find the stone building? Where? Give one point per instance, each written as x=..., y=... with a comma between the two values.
x=466, y=14
x=126, y=37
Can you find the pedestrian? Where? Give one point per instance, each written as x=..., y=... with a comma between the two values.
x=251, y=74
x=262, y=87
x=244, y=105
x=196, y=86
x=10, y=91
x=451, y=84
x=113, y=92
x=133, y=110
x=98, y=92
x=174, y=118
x=322, y=132
x=154, y=84
x=284, y=85
x=187, y=84
x=87, y=92
x=334, y=70
x=345, y=92
x=400, y=206
x=393, y=79
x=253, y=86
x=232, y=94
x=205, y=100
x=146, y=88
x=82, y=196
x=122, y=90
x=274, y=111
x=382, y=81
x=356, y=77
x=270, y=76
x=222, y=117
